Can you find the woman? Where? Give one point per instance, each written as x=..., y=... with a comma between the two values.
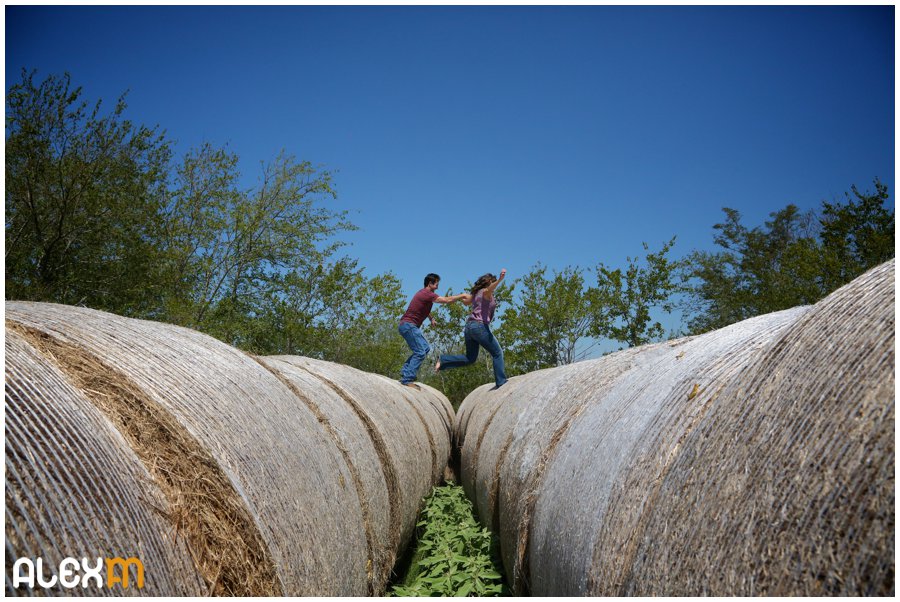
x=478, y=332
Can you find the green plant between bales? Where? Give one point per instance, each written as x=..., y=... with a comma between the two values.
x=454, y=556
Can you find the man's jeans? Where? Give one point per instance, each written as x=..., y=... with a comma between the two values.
x=478, y=334
x=419, y=347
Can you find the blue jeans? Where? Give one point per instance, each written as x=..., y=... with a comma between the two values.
x=419, y=347
x=478, y=334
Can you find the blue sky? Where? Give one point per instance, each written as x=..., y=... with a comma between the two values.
x=466, y=139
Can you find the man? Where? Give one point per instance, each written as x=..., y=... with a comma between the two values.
x=411, y=324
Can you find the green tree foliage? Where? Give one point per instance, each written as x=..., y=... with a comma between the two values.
x=236, y=252
x=98, y=213
x=557, y=318
x=760, y=270
x=84, y=192
x=794, y=259
x=856, y=235
x=337, y=314
x=358, y=322
x=552, y=314
x=624, y=300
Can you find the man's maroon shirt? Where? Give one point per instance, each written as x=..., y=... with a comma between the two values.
x=420, y=307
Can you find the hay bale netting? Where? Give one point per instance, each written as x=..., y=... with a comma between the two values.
x=257, y=475
x=753, y=460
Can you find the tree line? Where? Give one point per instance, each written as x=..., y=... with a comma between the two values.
x=101, y=213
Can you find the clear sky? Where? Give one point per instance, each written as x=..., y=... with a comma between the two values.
x=466, y=139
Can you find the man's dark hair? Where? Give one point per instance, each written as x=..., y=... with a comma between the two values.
x=431, y=279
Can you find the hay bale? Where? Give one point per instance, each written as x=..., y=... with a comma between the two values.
x=74, y=488
x=273, y=494
x=397, y=441
x=640, y=414
x=753, y=460
x=806, y=436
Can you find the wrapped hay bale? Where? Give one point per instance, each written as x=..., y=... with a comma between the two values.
x=396, y=440
x=753, y=460
x=270, y=496
x=489, y=425
x=634, y=424
x=801, y=501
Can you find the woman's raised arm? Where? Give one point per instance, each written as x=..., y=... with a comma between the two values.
x=489, y=291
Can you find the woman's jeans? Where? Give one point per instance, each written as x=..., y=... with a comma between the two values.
x=478, y=334
x=419, y=347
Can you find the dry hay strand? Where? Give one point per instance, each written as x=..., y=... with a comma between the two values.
x=493, y=501
x=438, y=401
x=477, y=422
x=203, y=507
x=73, y=487
x=437, y=466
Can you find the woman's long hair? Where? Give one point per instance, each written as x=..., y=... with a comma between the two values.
x=483, y=282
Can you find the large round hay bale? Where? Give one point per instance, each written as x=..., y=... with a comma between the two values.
x=273, y=494
x=753, y=460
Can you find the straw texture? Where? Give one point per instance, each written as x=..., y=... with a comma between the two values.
x=287, y=480
x=753, y=460
x=74, y=488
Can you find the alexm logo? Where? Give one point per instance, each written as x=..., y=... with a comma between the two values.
x=72, y=573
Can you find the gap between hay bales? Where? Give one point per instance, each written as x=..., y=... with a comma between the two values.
x=454, y=555
x=203, y=506
x=375, y=583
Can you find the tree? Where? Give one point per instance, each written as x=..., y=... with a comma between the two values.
x=360, y=324
x=795, y=259
x=857, y=235
x=83, y=195
x=195, y=221
x=548, y=321
x=233, y=252
x=624, y=300
x=337, y=314
x=760, y=270
x=98, y=213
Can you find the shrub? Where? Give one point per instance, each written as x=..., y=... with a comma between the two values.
x=455, y=556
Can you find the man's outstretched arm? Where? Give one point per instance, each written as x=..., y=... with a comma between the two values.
x=450, y=299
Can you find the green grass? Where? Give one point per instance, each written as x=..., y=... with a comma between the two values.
x=454, y=556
